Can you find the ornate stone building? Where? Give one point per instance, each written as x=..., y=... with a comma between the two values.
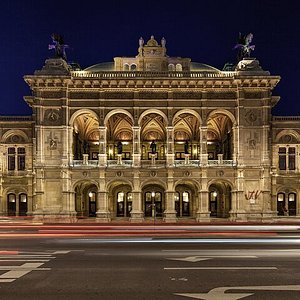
x=150, y=136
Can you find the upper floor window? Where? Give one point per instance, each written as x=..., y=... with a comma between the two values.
x=16, y=158
x=287, y=158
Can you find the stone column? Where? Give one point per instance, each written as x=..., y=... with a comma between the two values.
x=170, y=146
x=203, y=213
x=170, y=212
x=203, y=157
x=102, y=214
x=136, y=214
x=237, y=211
x=136, y=147
x=102, y=157
x=237, y=154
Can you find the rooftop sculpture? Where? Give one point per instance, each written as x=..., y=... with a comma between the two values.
x=244, y=46
x=58, y=46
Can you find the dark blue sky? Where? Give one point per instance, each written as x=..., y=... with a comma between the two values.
x=97, y=31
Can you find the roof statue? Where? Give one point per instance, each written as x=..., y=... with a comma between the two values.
x=244, y=46
x=58, y=46
x=163, y=42
x=141, y=42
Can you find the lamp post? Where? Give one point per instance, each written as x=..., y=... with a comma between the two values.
x=153, y=207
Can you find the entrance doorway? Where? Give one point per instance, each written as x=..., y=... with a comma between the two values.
x=22, y=205
x=124, y=204
x=286, y=204
x=219, y=200
x=153, y=204
x=92, y=204
x=182, y=204
x=11, y=205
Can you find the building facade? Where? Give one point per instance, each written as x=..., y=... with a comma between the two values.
x=150, y=136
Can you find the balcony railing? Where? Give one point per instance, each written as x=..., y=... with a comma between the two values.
x=183, y=163
x=82, y=163
x=152, y=164
x=119, y=164
x=221, y=163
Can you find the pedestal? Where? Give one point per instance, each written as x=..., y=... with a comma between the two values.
x=153, y=156
x=119, y=159
x=186, y=159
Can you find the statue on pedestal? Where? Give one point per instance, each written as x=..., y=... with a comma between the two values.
x=244, y=46
x=58, y=46
x=153, y=147
x=120, y=147
x=186, y=147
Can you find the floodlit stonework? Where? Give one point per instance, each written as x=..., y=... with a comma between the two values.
x=150, y=136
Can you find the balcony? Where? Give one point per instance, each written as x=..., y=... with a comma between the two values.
x=119, y=163
x=84, y=163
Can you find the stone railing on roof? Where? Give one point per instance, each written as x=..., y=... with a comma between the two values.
x=286, y=118
x=142, y=74
x=16, y=118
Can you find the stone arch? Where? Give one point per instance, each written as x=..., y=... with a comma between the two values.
x=117, y=111
x=152, y=181
x=187, y=111
x=84, y=181
x=293, y=134
x=220, y=197
x=152, y=111
x=81, y=112
x=22, y=136
x=223, y=112
x=111, y=184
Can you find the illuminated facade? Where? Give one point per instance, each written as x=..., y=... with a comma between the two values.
x=150, y=136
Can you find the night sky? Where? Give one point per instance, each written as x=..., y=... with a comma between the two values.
x=97, y=31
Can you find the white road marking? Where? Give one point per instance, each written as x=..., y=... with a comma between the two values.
x=207, y=257
x=61, y=252
x=222, y=268
x=219, y=293
x=19, y=271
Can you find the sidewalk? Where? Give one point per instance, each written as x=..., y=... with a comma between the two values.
x=284, y=220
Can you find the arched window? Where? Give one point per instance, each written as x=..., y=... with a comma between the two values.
x=178, y=67
x=171, y=67
x=133, y=67
x=126, y=67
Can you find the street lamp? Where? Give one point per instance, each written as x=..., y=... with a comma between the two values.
x=153, y=206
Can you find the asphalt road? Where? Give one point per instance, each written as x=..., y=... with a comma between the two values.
x=149, y=268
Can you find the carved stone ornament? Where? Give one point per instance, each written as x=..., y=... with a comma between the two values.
x=153, y=173
x=119, y=174
x=220, y=173
x=52, y=115
x=53, y=144
x=250, y=117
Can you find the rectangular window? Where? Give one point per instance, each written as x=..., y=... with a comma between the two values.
x=21, y=159
x=292, y=158
x=282, y=158
x=11, y=159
